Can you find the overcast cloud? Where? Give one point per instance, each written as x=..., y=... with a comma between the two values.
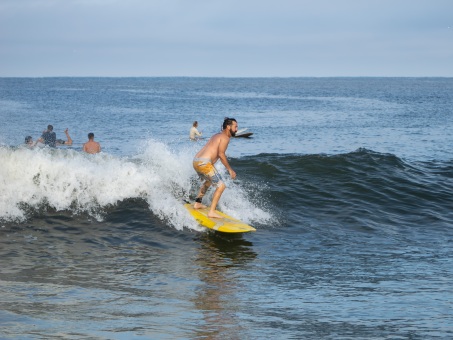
x=286, y=38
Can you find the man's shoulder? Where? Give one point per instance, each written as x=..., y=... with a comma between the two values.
x=220, y=135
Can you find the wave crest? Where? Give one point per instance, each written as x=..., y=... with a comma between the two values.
x=66, y=179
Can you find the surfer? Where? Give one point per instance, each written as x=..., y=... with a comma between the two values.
x=194, y=133
x=205, y=159
x=91, y=146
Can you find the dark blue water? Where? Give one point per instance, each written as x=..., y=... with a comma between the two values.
x=348, y=182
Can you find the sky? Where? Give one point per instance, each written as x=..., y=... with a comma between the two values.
x=226, y=38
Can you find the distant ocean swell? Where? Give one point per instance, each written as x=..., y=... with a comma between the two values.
x=362, y=189
x=357, y=189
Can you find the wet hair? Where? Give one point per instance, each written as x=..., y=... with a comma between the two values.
x=90, y=135
x=28, y=139
x=227, y=121
x=49, y=127
x=195, y=123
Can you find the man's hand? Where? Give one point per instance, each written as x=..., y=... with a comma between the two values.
x=232, y=173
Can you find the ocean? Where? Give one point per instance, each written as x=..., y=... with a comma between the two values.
x=348, y=181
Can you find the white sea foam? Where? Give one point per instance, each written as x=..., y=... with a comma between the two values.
x=65, y=179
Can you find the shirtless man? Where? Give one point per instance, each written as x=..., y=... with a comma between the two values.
x=91, y=146
x=205, y=159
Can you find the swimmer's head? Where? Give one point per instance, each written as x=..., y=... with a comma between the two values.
x=28, y=140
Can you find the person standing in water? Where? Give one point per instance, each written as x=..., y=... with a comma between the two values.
x=204, y=161
x=194, y=133
x=91, y=146
x=68, y=140
x=29, y=142
x=50, y=138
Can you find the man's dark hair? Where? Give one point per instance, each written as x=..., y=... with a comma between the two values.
x=49, y=127
x=227, y=121
x=91, y=135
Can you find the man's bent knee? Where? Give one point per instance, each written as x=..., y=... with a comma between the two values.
x=221, y=186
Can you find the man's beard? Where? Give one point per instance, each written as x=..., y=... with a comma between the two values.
x=232, y=133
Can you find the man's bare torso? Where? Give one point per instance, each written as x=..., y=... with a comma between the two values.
x=211, y=149
x=92, y=147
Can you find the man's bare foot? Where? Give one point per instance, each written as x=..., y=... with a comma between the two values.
x=199, y=206
x=214, y=215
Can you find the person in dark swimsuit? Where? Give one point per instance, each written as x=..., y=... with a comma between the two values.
x=50, y=138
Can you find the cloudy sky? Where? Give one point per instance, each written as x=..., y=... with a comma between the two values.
x=228, y=38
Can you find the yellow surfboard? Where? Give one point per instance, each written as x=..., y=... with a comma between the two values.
x=227, y=224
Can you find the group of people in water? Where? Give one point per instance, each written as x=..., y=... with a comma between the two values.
x=49, y=138
x=203, y=162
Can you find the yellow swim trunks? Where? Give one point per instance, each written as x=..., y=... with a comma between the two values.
x=206, y=170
